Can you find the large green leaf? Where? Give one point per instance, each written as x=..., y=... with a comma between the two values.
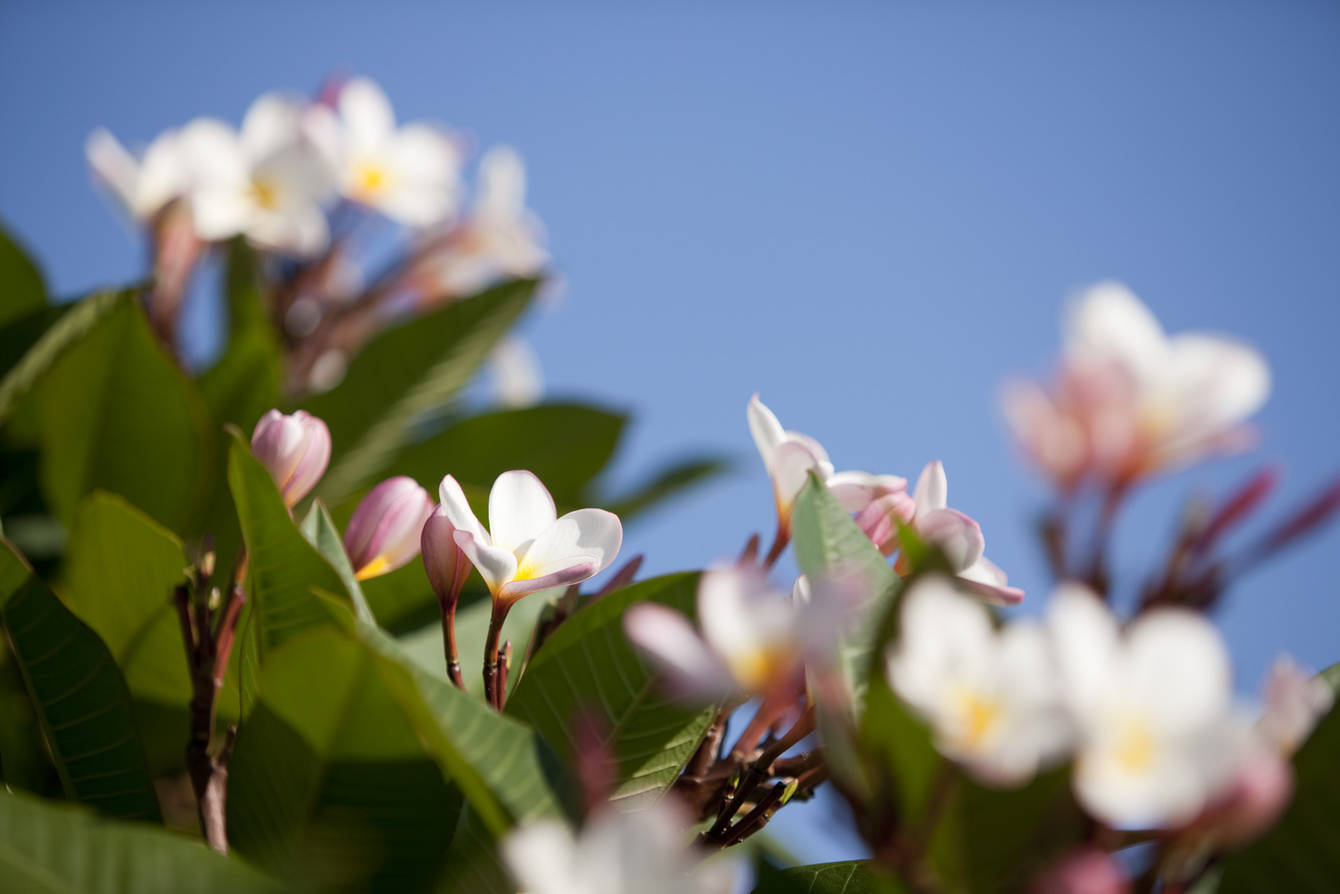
x=589, y=665
x=73, y=324
x=846, y=877
x=284, y=569
x=79, y=695
x=404, y=372
x=669, y=481
x=321, y=532
x=117, y=414
x=330, y=786
x=48, y=848
x=22, y=290
x=1302, y=852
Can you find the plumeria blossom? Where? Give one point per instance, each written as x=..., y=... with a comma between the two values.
x=500, y=238
x=1158, y=738
x=1131, y=399
x=751, y=640
x=294, y=449
x=958, y=537
x=385, y=529
x=142, y=185
x=527, y=546
x=409, y=173
x=990, y=697
x=618, y=851
x=266, y=182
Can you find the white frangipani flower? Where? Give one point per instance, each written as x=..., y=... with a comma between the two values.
x=1157, y=734
x=528, y=547
x=500, y=238
x=266, y=182
x=618, y=851
x=990, y=697
x=788, y=456
x=750, y=642
x=958, y=537
x=409, y=173
x=142, y=185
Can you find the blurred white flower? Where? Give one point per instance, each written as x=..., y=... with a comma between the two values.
x=500, y=238
x=409, y=173
x=1294, y=701
x=515, y=372
x=266, y=182
x=1158, y=736
x=990, y=696
x=618, y=851
x=142, y=185
x=958, y=537
x=751, y=641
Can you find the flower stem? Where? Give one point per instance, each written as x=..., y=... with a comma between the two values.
x=449, y=644
x=496, y=619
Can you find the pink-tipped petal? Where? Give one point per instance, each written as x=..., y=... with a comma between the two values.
x=385, y=529
x=932, y=488
x=457, y=508
x=957, y=536
x=497, y=566
x=689, y=667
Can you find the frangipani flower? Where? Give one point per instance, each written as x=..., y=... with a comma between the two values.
x=410, y=173
x=295, y=449
x=385, y=529
x=527, y=547
x=500, y=238
x=266, y=182
x=1131, y=400
x=958, y=537
x=1158, y=737
x=990, y=697
x=618, y=851
x=788, y=456
x=142, y=185
x=750, y=642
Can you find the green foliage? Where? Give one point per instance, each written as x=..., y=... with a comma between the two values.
x=846, y=877
x=62, y=849
x=668, y=481
x=22, y=290
x=244, y=382
x=117, y=414
x=78, y=694
x=1302, y=852
x=50, y=343
x=404, y=372
x=588, y=665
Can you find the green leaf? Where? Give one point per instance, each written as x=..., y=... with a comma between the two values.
x=669, y=481
x=284, y=569
x=22, y=290
x=117, y=414
x=80, y=697
x=321, y=532
x=1302, y=852
x=473, y=863
x=829, y=544
x=846, y=877
x=245, y=381
x=50, y=848
x=74, y=323
x=589, y=665
x=329, y=786
x=404, y=372
x=566, y=445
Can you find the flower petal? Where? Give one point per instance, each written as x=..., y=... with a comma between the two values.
x=458, y=510
x=1178, y=669
x=856, y=490
x=366, y=112
x=1107, y=321
x=665, y=636
x=520, y=509
x=932, y=488
x=792, y=462
x=496, y=566
x=765, y=428
x=577, y=546
x=957, y=536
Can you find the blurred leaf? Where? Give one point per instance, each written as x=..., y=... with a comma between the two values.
x=589, y=665
x=829, y=544
x=63, y=849
x=1302, y=852
x=668, y=482
x=73, y=325
x=22, y=290
x=405, y=371
x=244, y=383
x=846, y=877
x=329, y=786
x=403, y=601
x=79, y=695
x=25, y=762
x=284, y=569
x=117, y=414
x=321, y=532
x=473, y=863
x=566, y=445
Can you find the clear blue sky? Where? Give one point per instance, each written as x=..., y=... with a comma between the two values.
x=869, y=213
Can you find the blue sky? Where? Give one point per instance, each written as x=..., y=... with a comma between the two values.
x=869, y=213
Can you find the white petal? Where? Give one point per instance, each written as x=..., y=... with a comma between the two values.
x=765, y=428
x=113, y=165
x=987, y=580
x=458, y=510
x=792, y=462
x=957, y=536
x=541, y=855
x=932, y=488
x=520, y=508
x=497, y=566
x=221, y=213
x=214, y=154
x=502, y=184
x=666, y=637
x=1084, y=639
x=856, y=490
x=577, y=546
x=1224, y=381
x=366, y=113
x=270, y=125
x=1108, y=321
x=164, y=174
x=1178, y=670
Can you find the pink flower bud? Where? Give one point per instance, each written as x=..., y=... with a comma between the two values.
x=881, y=517
x=295, y=449
x=1087, y=870
x=443, y=560
x=384, y=532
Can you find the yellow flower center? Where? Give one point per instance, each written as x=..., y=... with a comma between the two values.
x=1135, y=746
x=758, y=668
x=980, y=716
x=377, y=566
x=265, y=194
x=370, y=179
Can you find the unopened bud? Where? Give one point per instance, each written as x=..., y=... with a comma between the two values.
x=445, y=564
x=294, y=449
x=384, y=532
